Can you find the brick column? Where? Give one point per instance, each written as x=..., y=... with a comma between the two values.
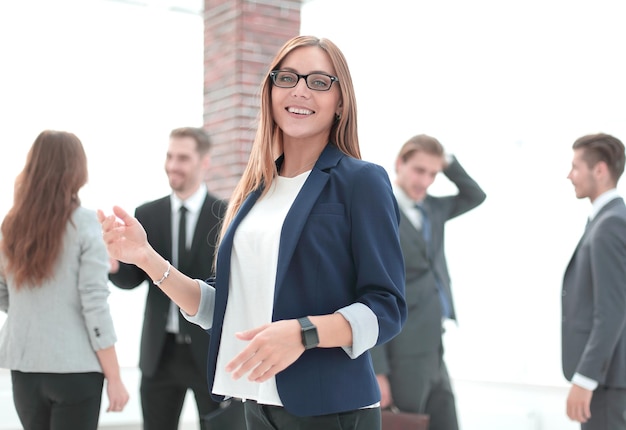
x=240, y=39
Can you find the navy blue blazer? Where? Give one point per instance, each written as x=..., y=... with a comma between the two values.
x=339, y=245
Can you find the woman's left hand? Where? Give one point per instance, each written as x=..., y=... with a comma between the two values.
x=272, y=348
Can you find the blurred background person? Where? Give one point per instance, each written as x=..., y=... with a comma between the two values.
x=594, y=291
x=183, y=227
x=58, y=338
x=410, y=368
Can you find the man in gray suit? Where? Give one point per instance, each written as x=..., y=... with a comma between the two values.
x=594, y=291
x=410, y=368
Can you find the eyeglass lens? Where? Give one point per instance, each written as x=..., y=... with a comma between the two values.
x=315, y=81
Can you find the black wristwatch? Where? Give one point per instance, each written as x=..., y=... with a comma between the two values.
x=309, y=333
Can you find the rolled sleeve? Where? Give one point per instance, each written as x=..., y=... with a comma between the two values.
x=204, y=316
x=364, y=324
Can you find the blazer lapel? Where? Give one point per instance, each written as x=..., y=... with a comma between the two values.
x=302, y=205
x=579, y=244
x=413, y=234
x=225, y=251
x=226, y=245
x=164, y=234
x=590, y=224
x=292, y=227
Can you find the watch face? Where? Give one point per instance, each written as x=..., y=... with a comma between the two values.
x=309, y=337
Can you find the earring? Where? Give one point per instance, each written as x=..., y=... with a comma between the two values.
x=337, y=117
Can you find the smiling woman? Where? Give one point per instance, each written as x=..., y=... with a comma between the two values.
x=507, y=91
x=309, y=272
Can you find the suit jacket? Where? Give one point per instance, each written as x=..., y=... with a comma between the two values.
x=423, y=329
x=58, y=326
x=155, y=217
x=594, y=301
x=339, y=245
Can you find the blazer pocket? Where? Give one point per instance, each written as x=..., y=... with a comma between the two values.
x=328, y=209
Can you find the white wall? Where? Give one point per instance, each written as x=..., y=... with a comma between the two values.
x=506, y=86
x=120, y=75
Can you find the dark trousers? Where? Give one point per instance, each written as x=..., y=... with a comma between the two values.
x=57, y=401
x=426, y=389
x=608, y=410
x=263, y=417
x=163, y=394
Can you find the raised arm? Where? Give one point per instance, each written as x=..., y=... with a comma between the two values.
x=470, y=194
x=126, y=241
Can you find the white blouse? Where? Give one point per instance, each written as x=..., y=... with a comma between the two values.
x=254, y=262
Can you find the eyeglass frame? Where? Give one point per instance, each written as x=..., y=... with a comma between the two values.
x=274, y=73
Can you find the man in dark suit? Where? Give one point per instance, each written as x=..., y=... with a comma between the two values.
x=410, y=368
x=173, y=356
x=594, y=291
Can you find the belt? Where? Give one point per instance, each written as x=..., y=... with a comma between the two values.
x=179, y=338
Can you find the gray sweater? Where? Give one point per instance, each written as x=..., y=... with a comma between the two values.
x=58, y=326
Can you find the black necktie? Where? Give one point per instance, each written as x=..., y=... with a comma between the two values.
x=183, y=332
x=182, y=238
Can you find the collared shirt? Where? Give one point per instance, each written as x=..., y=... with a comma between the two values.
x=407, y=205
x=194, y=206
x=602, y=200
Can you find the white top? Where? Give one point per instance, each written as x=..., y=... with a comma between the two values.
x=254, y=262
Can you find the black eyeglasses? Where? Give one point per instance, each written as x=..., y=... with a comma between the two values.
x=314, y=81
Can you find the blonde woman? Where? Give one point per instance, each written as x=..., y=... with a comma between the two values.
x=309, y=271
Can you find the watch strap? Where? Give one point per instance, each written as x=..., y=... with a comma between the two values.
x=310, y=338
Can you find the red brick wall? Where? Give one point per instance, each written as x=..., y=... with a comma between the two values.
x=240, y=39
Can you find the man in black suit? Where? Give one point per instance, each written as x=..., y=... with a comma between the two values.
x=173, y=356
x=410, y=369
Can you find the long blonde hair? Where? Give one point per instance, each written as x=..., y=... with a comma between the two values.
x=268, y=145
x=46, y=195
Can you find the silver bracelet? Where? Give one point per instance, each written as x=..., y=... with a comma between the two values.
x=165, y=275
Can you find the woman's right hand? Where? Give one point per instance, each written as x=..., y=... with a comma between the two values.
x=124, y=236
